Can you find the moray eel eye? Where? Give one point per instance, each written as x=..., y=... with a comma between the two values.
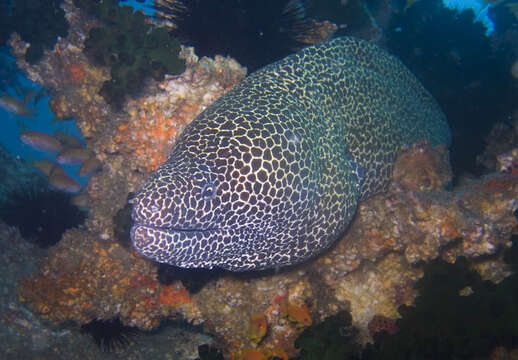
x=208, y=191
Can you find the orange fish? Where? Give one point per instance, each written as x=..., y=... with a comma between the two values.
x=90, y=166
x=73, y=156
x=15, y=106
x=40, y=141
x=45, y=166
x=59, y=180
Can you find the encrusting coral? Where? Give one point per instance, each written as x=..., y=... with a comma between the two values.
x=85, y=278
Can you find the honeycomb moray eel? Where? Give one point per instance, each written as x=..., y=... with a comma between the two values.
x=271, y=173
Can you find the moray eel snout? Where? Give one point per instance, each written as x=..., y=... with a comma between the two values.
x=168, y=214
x=271, y=173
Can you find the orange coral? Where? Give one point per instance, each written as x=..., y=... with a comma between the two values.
x=150, y=137
x=251, y=354
x=75, y=73
x=84, y=278
x=422, y=168
x=299, y=315
x=505, y=182
x=156, y=121
x=257, y=328
x=174, y=295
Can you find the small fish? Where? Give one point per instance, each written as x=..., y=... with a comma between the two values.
x=45, y=166
x=72, y=156
x=59, y=180
x=90, y=166
x=40, y=141
x=15, y=106
x=68, y=140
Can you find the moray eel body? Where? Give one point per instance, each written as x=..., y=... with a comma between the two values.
x=272, y=172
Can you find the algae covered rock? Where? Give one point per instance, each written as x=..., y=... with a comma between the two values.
x=133, y=48
x=456, y=315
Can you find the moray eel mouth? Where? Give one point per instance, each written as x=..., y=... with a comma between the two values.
x=165, y=244
x=171, y=229
x=183, y=247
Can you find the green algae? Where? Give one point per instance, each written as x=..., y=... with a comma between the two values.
x=132, y=47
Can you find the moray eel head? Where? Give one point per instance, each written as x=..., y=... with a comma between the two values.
x=178, y=214
x=222, y=200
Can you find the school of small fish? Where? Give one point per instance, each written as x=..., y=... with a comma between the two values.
x=70, y=151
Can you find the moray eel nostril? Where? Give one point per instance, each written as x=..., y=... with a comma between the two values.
x=271, y=173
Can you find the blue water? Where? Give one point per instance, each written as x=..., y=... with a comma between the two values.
x=13, y=125
x=479, y=7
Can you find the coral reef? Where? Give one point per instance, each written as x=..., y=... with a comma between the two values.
x=38, y=22
x=501, y=139
x=89, y=275
x=449, y=295
x=501, y=151
x=97, y=280
x=156, y=121
x=26, y=336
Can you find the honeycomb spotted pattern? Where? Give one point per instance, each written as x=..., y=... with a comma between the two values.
x=271, y=173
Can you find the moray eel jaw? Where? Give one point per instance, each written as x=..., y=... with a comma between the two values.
x=177, y=247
